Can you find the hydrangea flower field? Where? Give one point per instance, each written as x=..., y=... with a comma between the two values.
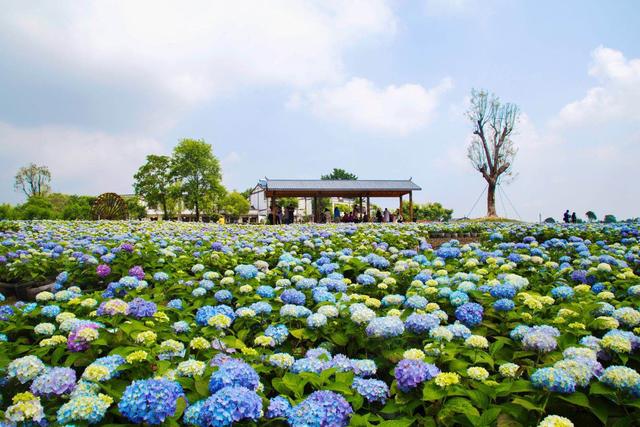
x=161, y=323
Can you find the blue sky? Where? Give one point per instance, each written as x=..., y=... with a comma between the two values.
x=292, y=89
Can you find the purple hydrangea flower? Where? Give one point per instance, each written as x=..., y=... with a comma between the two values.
x=54, y=382
x=137, y=272
x=410, y=373
x=103, y=270
x=75, y=343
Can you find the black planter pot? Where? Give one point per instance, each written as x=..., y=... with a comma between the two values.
x=26, y=291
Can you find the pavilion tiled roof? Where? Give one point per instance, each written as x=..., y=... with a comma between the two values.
x=360, y=185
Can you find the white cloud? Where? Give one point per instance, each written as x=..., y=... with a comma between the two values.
x=396, y=110
x=450, y=7
x=616, y=96
x=80, y=162
x=194, y=50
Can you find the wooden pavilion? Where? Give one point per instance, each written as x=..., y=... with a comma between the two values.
x=361, y=188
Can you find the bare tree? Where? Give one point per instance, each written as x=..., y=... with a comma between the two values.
x=33, y=180
x=491, y=150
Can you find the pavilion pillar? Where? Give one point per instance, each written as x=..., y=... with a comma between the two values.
x=410, y=206
x=360, y=213
x=274, y=219
x=315, y=209
x=400, y=211
x=369, y=208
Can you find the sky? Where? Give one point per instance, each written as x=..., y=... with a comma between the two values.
x=292, y=89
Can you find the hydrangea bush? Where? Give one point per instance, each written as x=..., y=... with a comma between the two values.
x=321, y=325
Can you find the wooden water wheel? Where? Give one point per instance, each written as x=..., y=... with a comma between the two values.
x=109, y=206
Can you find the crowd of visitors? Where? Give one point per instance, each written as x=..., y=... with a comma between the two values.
x=286, y=216
x=355, y=216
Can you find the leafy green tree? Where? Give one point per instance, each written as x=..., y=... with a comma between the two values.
x=198, y=172
x=7, y=211
x=78, y=207
x=284, y=202
x=234, y=205
x=247, y=193
x=58, y=202
x=33, y=180
x=427, y=212
x=335, y=174
x=339, y=174
x=37, y=207
x=153, y=181
x=591, y=216
x=136, y=209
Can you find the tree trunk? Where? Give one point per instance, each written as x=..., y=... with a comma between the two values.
x=491, y=200
x=197, y=211
x=165, y=214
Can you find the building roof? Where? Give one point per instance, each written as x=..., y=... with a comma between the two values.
x=346, y=188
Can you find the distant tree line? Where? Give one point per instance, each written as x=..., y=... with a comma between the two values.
x=50, y=206
x=190, y=178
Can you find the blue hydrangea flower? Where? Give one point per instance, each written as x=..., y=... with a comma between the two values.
x=470, y=313
x=293, y=296
x=261, y=307
x=377, y=261
x=506, y=290
x=265, y=291
x=230, y=405
x=50, y=311
x=234, y=373
x=385, y=327
x=553, y=379
x=193, y=412
x=371, y=389
x=150, y=401
x=223, y=296
x=5, y=312
x=421, y=323
x=321, y=408
x=309, y=364
x=562, y=293
x=366, y=279
x=447, y=252
x=459, y=330
x=458, y=298
x=141, y=308
x=160, y=276
x=279, y=407
x=321, y=294
x=246, y=271
x=176, y=304
x=416, y=302
x=504, y=304
x=279, y=333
